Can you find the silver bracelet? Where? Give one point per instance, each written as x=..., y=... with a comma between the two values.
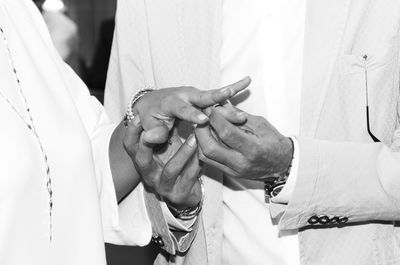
x=129, y=115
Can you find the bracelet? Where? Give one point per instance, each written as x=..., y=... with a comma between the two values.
x=129, y=116
x=275, y=185
x=191, y=212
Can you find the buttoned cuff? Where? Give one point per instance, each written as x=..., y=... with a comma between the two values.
x=286, y=194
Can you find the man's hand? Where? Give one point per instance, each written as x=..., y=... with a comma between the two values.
x=159, y=109
x=253, y=150
x=170, y=170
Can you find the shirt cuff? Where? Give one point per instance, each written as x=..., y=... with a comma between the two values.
x=126, y=223
x=286, y=194
x=177, y=224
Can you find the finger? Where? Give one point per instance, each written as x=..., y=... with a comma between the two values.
x=203, y=99
x=177, y=163
x=165, y=152
x=156, y=135
x=186, y=191
x=132, y=135
x=226, y=170
x=190, y=173
x=215, y=150
x=232, y=114
x=231, y=135
x=188, y=184
x=149, y=169
x=180, y=109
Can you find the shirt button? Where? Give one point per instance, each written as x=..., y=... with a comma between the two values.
x=324, y=220
x=313, y=220
x=160, y=242
x=335, y=220
x=157, y=240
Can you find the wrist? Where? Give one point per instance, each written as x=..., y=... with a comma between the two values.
x=287, y=152
x=274, y=183
x=134, y=99
x=188, y=212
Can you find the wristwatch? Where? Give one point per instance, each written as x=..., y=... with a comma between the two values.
x=191, y=212
x=273, y=186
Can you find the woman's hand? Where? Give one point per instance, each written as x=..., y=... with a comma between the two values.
x=171, y=170
x=159, y=109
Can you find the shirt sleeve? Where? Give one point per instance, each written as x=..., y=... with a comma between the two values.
x=285, y=195
x=126, y=223
x=176, y=224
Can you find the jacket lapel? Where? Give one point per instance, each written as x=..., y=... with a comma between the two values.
x=325, y=24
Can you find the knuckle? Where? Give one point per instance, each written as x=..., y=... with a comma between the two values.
x=174, y=197
x=202, y=157
x=225, y=134
x=184, y=108
x=255, y=152
x=129, y=147
x=209, y=151
x=168, y=172
x=140, y=161
x=167, y=102
x=150, y=183
x=162, y=191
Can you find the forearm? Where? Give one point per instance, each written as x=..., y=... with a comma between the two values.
x=125, y=176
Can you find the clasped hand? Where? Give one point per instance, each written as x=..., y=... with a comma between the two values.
x=167, y=166
x=253, y=150
x=239, y=144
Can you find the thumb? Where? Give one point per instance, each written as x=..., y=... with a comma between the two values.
x=132, y=134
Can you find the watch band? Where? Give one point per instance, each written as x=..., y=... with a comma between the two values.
x=274, y=186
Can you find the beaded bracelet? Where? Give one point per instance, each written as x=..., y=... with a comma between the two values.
x=129, y=116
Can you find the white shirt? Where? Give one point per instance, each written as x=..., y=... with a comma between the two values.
x=262, y=39
x=75, y=134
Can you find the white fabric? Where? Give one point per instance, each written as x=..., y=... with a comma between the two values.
x=75, y=133
x=286, y=194
x=177, y=224
x=263, y=39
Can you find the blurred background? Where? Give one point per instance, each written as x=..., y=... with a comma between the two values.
x=82, y=32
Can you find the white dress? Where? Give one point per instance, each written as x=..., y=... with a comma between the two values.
x=75, y=133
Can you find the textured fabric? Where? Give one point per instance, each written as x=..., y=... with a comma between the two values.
x=256, y=45
x=75, y=132
x=341, y=172
x=133, y=71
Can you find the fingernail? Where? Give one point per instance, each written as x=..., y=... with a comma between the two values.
x=202, y=117
x=226, y=90
x=191, y=141
x=136, y=120
x=242, y=115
